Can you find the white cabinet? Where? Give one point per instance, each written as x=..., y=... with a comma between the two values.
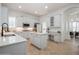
x=36, y=41
x=0, y=10
x=40, y=40
x=15, y=49
x=4, y=14
x=57, y=37
x=39, y=28
x=55, y=21
x=4, y=11
x=0, y=14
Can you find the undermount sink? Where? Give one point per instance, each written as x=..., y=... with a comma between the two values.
x=9, y=35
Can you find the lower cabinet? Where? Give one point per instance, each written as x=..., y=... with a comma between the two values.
x=40, y=40
x=14, y=49
x=55, y=37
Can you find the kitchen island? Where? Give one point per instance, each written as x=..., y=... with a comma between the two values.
x=37, y=39
x=13, y=45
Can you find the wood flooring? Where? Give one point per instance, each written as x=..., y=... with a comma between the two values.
x=68, y=47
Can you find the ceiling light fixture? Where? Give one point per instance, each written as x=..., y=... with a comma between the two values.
x=20, y=7
x=46, y=6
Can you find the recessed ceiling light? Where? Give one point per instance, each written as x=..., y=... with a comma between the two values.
x=19, y=6
x=46, y=7
x=36, y=12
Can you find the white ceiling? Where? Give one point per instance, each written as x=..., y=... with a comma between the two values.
x=39, y=7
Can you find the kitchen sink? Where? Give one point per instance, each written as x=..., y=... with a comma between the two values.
x=9, y=35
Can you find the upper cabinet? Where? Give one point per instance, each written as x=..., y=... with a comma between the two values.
x=0, y=14
x=0, y=10
x=4, y=14
x=55, y=21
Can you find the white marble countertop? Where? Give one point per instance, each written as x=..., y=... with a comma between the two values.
x=54, y=33
x=39, y=33
x=9, y=40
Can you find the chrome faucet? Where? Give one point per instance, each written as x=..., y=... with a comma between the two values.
x=2, y=31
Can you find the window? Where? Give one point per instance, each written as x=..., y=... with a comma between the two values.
x=12, y=21
x=75, y=26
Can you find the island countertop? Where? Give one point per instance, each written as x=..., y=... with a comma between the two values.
x=9, y=40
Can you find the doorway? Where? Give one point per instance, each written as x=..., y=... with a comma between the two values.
x=72, y=22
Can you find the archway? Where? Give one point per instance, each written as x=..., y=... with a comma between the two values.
x=71, y=22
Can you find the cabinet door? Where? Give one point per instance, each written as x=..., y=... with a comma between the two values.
x=4, y=11
x=4, y=14
x=57, y=38
x=57, y=20
x=36, y=40
x=39, y=27
x=0, y=10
